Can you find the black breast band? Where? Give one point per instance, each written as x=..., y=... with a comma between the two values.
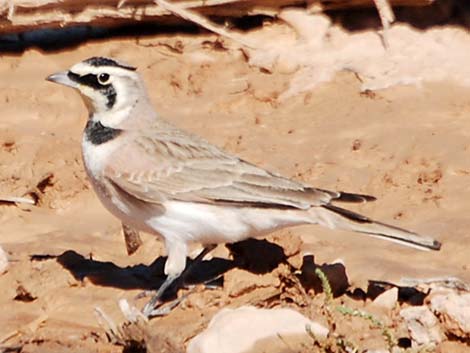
x=97, y=134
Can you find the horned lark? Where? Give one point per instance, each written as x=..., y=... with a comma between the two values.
x=159, y=179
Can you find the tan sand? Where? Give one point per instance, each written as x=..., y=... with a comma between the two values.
x=406, y=145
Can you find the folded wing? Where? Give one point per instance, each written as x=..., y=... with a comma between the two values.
x=171, y=166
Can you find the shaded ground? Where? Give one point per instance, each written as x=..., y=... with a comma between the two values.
x=407, y=146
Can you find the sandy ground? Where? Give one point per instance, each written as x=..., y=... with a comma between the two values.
x=406, y=145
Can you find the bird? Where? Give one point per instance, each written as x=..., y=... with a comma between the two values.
x=160, y=179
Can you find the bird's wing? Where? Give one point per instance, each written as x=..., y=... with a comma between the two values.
x=172, y=165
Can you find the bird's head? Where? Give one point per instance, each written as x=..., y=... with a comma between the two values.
x=106, y=85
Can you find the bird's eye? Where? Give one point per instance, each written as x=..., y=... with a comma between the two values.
x=103, y=78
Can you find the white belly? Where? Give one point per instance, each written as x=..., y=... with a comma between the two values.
x=209, y=224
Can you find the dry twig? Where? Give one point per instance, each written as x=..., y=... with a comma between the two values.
x=17, y=200
x=203, y=22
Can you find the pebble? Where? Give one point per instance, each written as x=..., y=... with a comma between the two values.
x=3, y=261
x=422, y=324
x=238, y=330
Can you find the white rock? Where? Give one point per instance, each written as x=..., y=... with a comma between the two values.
x=453, y=309
x=3, y=261
x=422, y=325
x=238, y=330
x=387, y=299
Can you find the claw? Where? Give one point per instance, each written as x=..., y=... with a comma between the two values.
x=156, y=299
x=165, y=310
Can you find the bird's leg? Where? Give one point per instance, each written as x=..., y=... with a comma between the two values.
x=198, y=259
x=149, y=309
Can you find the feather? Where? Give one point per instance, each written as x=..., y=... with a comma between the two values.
x=175, y=167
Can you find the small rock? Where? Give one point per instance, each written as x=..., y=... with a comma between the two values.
x=387, y=300
x=290, y=243
x=453, y=310
x=335, y=273
x=422, y=325
x=296, y=261
x=131, y=238
x=406, y=294
x=23, y=295
x=3, y=261
x=238, y=330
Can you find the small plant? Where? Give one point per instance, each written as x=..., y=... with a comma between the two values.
x=386, y=333
x=325, y=284
x=338, y=343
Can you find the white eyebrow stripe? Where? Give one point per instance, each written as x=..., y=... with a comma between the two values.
x=85, y=69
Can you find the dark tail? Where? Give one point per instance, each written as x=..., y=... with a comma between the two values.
x=341, y=196
x=340, y=218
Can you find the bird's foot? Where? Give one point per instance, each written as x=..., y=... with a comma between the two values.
x=156, y=301
x=160, y=309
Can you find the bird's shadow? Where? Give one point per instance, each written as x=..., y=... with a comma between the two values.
x=256, y=256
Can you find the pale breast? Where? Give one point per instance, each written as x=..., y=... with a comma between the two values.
x=212, y=224
x=95, y=157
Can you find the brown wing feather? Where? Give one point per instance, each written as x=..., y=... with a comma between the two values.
x=174, y=165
